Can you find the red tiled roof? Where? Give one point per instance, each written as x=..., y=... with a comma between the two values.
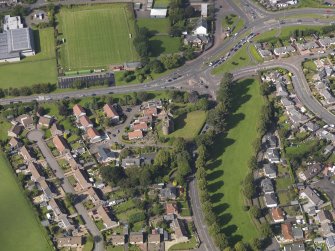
x=140, y=126
x=286, y=230
x=60, y=143
x=85, y=121
x=110, y=111
x=78, y=109
x=92, y=132
x=277, y=213
x=135, y=135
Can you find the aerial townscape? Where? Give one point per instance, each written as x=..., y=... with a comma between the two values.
x=164, y=125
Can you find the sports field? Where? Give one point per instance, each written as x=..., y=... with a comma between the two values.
x=229, y=164
x=96, y=36
x=19, y=227
x=40, y=68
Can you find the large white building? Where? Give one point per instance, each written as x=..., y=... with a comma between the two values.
x=15, y=41
x=201, y=28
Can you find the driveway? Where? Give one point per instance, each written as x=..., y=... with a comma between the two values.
x=37, y=136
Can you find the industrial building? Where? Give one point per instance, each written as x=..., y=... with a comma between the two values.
x=15, y=42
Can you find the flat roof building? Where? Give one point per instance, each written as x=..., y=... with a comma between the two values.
x=15, y=41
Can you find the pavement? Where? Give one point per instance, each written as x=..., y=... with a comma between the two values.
x=37, y=136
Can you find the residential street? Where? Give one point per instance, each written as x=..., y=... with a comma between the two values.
x=37, y=136
x=207, y=243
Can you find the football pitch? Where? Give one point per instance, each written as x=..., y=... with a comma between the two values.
x=96, y=36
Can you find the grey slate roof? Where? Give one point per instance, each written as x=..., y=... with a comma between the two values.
x=12, y=42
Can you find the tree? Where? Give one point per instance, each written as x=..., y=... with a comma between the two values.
x=162, y=158
x=224, y=93
x=175, y=31
x=253, y=163
x=113, y=175
x=171, y=61
x=193, y=97
x=266, y=230
x=257, y=244
x=143, y=96
x=145, y=177
x=217, y=117
x=239, y=246
x=2, y=93
x=249, y=187
x=156, y=66
x=189, y=11
x=202, y=104
x=141, y=42
x=62, y=110
x=41, y=110
x=184, y=169
x=255, y=212
x=157, y=209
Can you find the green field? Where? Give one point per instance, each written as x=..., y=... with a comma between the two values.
x=20, y=229
x=229, y=164
x=238, y=60
x=40, y=68
x=155, y=25
x=160, y=42
x=96, y=36
x=189, y=125
x=161, y=3
x=163, y=44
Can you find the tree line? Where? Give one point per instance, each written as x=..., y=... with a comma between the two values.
x=217, y=117
x=27, y=90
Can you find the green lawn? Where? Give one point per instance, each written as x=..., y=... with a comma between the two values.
x=40, y=68
x=96, y=36
x=161, y=3
x=232, y=21
x=20, y=228
x=191, y=244
x=238, y=60
x=188, y=125
x=160, y=26
x=164, y=44
x=255, y=54
x=229, y=163
x=313, y=4
x=4, y=127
